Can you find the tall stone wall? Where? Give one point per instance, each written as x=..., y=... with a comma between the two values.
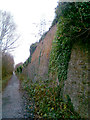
x=76, y=85
x=38, y=68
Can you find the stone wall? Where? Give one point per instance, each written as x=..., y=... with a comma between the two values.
x=38, y=68
x=76, y=85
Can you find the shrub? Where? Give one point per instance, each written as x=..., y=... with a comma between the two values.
x=47, y=103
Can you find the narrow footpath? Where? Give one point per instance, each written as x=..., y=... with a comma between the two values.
x=12, y=100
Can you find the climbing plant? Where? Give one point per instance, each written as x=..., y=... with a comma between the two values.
x=73, y=25
x=40, y=57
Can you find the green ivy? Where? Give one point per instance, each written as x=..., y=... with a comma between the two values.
x=73, y=26
x=33, y=48
x=61, y=51
x=19, y=69
x=40, y=57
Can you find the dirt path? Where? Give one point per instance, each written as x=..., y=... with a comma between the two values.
x=12, y=102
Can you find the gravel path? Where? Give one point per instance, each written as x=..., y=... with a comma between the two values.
x=12, y=102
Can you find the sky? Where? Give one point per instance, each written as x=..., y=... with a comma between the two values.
x=28, y=16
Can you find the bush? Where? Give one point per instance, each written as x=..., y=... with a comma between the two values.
x=47, y=102
x=7, y=64
x=7, y=68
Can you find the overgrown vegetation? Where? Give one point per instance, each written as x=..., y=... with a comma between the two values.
x=47, y=103
x=8, y=37
x=7, y=68
x=33, y=47
x=40, y=57
x=72, y=27
x=25, y=64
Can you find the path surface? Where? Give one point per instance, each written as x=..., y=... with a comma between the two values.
x=12, y=102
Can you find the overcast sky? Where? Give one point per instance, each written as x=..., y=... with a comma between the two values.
x=26, y=13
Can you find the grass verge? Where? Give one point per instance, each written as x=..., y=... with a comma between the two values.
x=5, y=81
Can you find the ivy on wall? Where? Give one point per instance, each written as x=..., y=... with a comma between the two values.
x=40, y=57
x=60, y=54
x=73, y=25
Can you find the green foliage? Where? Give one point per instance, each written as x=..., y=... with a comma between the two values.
x=72, y=26
x=29, y=59
x=25, y=63
x=19, y=69
x=60, y=54
x=32, y=48
x=40, y=57
x=75, y=12
x=47, y=102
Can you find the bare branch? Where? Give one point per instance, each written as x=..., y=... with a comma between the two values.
x=7, y=31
